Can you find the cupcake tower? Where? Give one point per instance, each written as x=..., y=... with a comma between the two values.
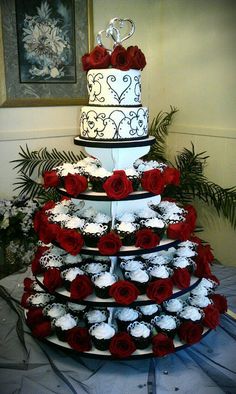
x=118, y=272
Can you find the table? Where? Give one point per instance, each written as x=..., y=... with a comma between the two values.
x=208, y=367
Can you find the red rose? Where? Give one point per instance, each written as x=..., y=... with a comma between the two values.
x=162, y=345
x=52, y=279
x=109, y=244
x=159, y=290
x=181, y=231
x=78, y=338
x=202, y=269
x=85, y=62
x=70, y=240
x=75, y=184
x=35, y=265
x=203, y=259
x=28, y=284
x=181, y=278
x=118, y=186
x=212, y=316
x=49, y=232
x=146, y=239
x=153, y=181
x=191, y=216
x=122, y=345
x=42, y=329
x=136, y=58
x=171, y=176
x=98, y=58
x=80, y=288
x=220, y=302
x=51, y=179
x=120, y=58
x=35, y=316
x=190, y=332
x=124, y=292
x=37, y=221
x=48, y=205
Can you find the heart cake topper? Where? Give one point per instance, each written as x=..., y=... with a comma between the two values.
x=114, y=32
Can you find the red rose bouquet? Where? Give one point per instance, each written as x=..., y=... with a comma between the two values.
x=162, y=345
x=118, y=186
x=122, y=345
x=124, y=292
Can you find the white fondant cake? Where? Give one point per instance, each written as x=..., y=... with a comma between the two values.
x=114, y=87
x=113, y=123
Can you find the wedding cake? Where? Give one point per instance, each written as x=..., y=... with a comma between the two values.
x=119, y=272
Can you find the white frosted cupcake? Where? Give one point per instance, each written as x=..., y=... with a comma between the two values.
x=199, y=301
x=160, y=272
x=166, y=324
x=69, y=275
x=128, y=217
x=101, y=334
x=72, y=261
x=134, y=176
x=54, y=310
x=132, y=265
x=38, y=300
x=140, y=278
x=102, y=283
x=125, y=316
x=63, y=324
x=183, y=262
x=141, y=333
x=173, y=306
x=97, y=178
x=96, y=316
x=127, y=232
x=77, y=310
x=149, y=311
x=157, y=225
x=92, y=232
x=95, y=268
x=191, y=313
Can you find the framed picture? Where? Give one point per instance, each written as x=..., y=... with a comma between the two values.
x=41, y=45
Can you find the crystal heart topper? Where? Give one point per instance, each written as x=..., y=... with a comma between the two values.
x=114, y=32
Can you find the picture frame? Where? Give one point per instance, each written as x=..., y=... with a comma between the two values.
x=39, y=77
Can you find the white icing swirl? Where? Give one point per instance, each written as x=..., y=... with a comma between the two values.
x=139, y=276
x=165, y=322
x=71, y=273
x=160, y=271
x=102, y=331
x=190, y=313
x=127, y=227
x=149, y=309
x=131, y=265
x=181, y=262
x=126, y=217
x=105, y=279
x=127, y=314
x=200, y=301
x=185, y=252
x=173, y=305
x=66, y=322
x=75, y=222
x=139, y=329
x=54, y=311
x=155, y=223
x=95, y=316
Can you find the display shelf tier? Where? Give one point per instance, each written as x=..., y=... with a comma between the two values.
x=115, y=144
x=95, y=353
x=63, y=295
x=96, y=196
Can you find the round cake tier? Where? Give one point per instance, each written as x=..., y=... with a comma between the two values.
x=113, y=123
x=146, y=141
x=105, y=354
x=92, y=300
x=114, y=87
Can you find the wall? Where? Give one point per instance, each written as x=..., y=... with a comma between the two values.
x=190, y=50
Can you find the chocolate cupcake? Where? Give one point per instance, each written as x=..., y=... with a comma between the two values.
x=173, y=306
x=166, y=324
x=125, y=316
x=77, y=310
x=149, y=312
x=199, y=301
x=102, y=218
x=102, y=283
x=191, y=313
x=127, y=232
x=132, y=265
x=127, y=217
x=93, y=316
x=54, y=310
x=95, y=268
x=63, y=324
x=101, y=334
x=157, y=225
x=159, y=272
x=72, y=261
x=141, y=333
x=97, y=178
x=69, y=275
x=51, y=260
x=140, y=278
x=183, y=262
x=134, y=176
x=40, y=300
x=92, y=232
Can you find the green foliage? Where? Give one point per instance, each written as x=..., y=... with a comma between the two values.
x=37, y=162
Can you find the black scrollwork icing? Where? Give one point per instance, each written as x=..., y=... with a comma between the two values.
x=95, y=87
x=137, y=88
x=117, y=125
x=119, y=96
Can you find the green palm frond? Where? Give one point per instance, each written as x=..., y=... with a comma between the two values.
x=159, y=129
x=43, y=160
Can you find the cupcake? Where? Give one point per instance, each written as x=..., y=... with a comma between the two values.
x=125, y=316
x=95, y=268
x=97, y=178
x=191, y=313
x=159, y=272
x=75, y=223
x=72, y=261
x=128, y=217
x=102, y=218
x=76, y=310
x=141, y=333
x=54, y=310
x=188, y=244
x=149, y=311
x=169, y=211
x=102, y=283
x=173, y=306
x=92, y=232
x=185, y=252
x=40, y=300
x=69, y=275
x=127, y=232
x=132, y=265
x=101, y=334
x=93, y=316
x=63, y=324
x=88, y=214
x=134, y=176
x=166, y=324
x=50, y=260
x=155, y=224
x=183, y=262
x=140, y=279
x=199, y=301
x=145, y=214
